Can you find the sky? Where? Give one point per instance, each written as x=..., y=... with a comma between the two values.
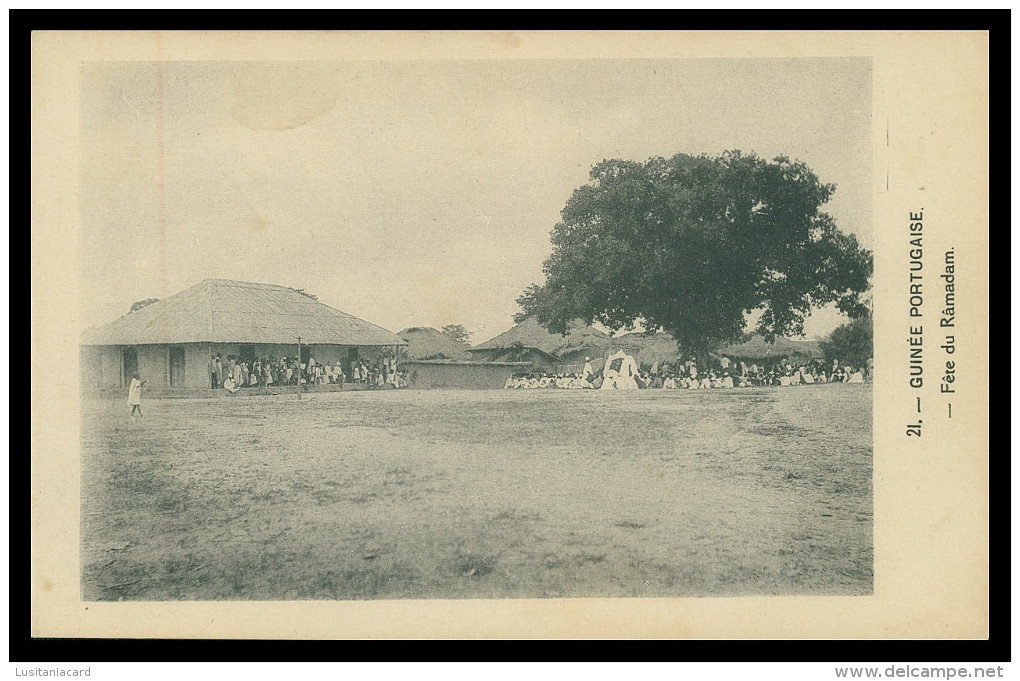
x=416, y=193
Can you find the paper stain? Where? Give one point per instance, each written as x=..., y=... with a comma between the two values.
x=269, y=116
x=251, y=222
x=46, y=586
x=278, y=99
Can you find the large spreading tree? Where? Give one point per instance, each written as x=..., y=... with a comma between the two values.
x=693, y=245
x=851, y=343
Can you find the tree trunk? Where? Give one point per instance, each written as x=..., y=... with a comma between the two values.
x=700, y=351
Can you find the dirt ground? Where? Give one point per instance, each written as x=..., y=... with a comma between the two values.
x=479, y=494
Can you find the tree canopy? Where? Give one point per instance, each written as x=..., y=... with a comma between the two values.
x=693, y=244
x=457, y=332
x=851, y=343
x=139, y=304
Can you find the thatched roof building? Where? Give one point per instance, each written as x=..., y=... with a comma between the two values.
x=435, y=360
x=224, y=311
x=427, y=343
x=568, y=352
x=758, y=349
x=660, y=348
x=530, y=341
x=171, y=342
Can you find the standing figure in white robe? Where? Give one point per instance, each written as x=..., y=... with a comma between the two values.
x=620, y=373
x=135, y=395
x=628, y=374
x=611, y=371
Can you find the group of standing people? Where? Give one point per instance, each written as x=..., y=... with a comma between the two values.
x=378, y=374
x=234, y=373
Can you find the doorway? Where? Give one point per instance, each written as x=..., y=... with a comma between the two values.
x=129, y=363
x=176, y=366
x=246, y=353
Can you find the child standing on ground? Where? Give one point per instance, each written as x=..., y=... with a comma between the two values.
x=135, y=395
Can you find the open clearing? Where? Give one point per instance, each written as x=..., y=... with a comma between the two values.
x=479, y=494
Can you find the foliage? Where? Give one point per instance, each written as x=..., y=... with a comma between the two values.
x=457, y=333
x=692, y=244
x=517, y=352
x=139, y=304
x=852, y=343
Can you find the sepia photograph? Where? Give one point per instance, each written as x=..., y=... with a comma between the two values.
x=402, y=330
x=510, y=334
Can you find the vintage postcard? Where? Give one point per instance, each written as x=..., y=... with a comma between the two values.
x=472, y=335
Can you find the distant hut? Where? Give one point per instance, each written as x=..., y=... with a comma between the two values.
x=434, y=360
x=531, y=342
x=659, y=349
x=170, y=342
x=758, y=350
x=461, y=375
x=427, y=343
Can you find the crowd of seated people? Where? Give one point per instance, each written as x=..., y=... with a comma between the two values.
x=234, y=373
x=721, y=373
x=544, y=380
x=724, y=373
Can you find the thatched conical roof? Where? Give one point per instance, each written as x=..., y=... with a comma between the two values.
x=427, y=343
x=758, y=348
x=648, y=350
x=530, y=334
x=225, y=311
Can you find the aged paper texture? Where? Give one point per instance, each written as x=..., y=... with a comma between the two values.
x=929, y=167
